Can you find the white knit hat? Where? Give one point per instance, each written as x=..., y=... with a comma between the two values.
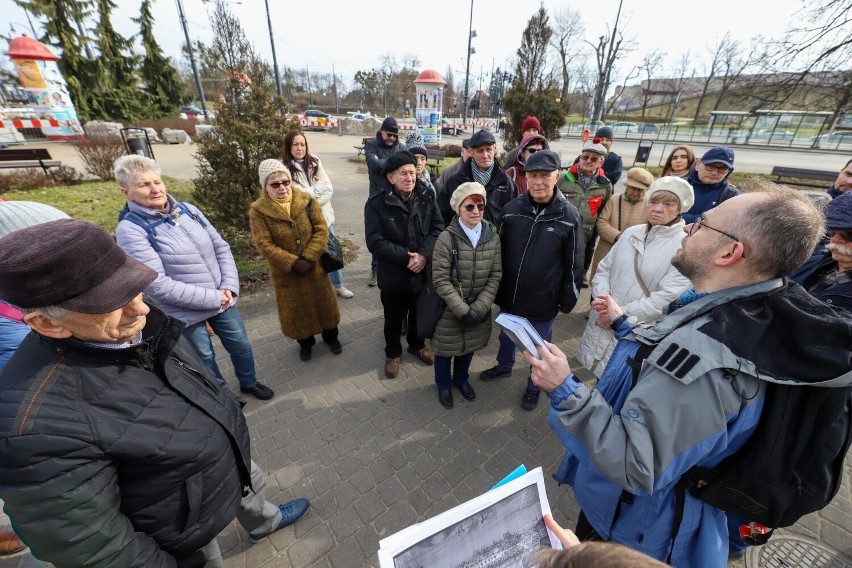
x=673, y=184
x=269, y=167
x=15, y=215
x=464, y=191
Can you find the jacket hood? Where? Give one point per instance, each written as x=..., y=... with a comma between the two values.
x=519, y=164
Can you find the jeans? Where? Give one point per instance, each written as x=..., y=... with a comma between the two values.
x=460, y=372
x=506, y=353
x=336, y=277
x=230, y=328
x=398, y=306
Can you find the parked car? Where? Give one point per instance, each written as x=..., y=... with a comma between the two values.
x=452, y=128
x=360, y=116
x=312, y=112
x=633, y=128
x=191, y=110
x=648, y=128
x=841, y=139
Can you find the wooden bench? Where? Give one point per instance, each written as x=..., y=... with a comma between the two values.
x=786, y=175
x=360, y=147
x=27, y=158
x=436, y=157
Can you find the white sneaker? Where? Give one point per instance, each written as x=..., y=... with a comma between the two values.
x=344, y=292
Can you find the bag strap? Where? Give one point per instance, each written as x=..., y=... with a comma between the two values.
x=454, y=264
x=639, y=276
x=620, y=202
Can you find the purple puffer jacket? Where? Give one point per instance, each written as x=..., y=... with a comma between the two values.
x=194, y=263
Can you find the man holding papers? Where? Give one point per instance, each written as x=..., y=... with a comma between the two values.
x=542, y=242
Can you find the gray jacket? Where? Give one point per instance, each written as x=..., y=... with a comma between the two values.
x=193, y=266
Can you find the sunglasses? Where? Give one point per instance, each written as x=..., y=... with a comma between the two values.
x=592, y=159
x=533, y=150
x=390, y=134
x=845, y=234
x=471, y=206
x=277, y=184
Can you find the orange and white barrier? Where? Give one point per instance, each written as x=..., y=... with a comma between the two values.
x=33, y=123
x=317, y=122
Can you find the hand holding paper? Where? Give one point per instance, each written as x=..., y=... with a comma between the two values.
x=550, y=368
x=521, y=332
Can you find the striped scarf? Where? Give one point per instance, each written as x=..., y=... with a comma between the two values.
x=481, y=176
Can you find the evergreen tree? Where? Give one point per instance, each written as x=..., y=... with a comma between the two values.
x=534, y=91
x=250, y=127
x=162, y=83
x=118, y=96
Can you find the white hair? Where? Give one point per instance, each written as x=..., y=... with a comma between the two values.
x=50, y=312
x=128, y=167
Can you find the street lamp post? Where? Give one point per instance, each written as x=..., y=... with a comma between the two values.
x=274, y=59
x=471, y=34
x=198, y=86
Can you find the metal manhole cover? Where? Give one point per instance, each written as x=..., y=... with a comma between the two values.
x=791, y=550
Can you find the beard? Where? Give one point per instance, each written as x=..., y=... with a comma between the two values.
x=692, y=265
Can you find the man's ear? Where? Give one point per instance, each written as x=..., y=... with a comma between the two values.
x=46, y=326
x=730, y=255
x=389, y=177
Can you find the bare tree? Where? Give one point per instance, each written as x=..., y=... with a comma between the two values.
x=649, y=68
x=711, y=70
x=609, y=48
x=568, y=26
x=734, y=62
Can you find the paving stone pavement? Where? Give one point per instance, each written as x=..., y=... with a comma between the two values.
x=374, y=455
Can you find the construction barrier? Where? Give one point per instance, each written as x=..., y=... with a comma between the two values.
x=33, y=123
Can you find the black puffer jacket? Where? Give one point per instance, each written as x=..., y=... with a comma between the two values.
x=499, y=191
x=393, y=229
x=106, y=463
x=542, y=257
x=376, y=153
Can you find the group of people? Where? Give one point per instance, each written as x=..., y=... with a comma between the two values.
x=110, y=379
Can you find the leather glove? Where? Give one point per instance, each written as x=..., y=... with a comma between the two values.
x=471, y=317
x=302, y=266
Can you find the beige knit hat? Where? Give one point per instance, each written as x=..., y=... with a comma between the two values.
x=269, y=167
x=464, y=191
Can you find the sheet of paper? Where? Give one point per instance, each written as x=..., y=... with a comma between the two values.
x=503, y=526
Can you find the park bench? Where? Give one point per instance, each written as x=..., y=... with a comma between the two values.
x=27, y=158
x=792, y=176
x=436, y=157
x=360, y=147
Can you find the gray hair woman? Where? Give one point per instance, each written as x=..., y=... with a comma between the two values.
x=467, y=281
x=197, y=279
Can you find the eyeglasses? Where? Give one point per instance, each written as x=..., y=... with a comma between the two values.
x=700, y=222
x=277, y=184
x=717, y=169
x=471, y=206
x=533, y=150
x=845, y=234
x=592, y=159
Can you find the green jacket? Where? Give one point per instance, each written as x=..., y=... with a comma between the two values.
x=480, y=270
x=579, y=197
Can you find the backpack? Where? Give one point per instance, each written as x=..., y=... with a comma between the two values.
x=150, y=227
x=791, y=466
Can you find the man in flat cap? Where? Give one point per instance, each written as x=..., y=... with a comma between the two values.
x=482, y=168
x=401, y=225
x=118, y=447
x=542, y=245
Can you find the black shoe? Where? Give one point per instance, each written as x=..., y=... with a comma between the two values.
x=530, y=400
x=445, y=397
x=467, y=391
x=305, y=352
x=493, y=373
x=259, y=391
x=335, y=347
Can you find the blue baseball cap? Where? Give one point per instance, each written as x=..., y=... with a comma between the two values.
x=838, y=213
x=719, y=155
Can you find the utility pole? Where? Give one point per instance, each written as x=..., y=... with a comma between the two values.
x=310, y=93
x=470, y=36
x=274, y=59
x=604, y=73
x=198, y=86
x=336, y=99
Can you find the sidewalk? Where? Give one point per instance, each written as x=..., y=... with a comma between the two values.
x=375, y=456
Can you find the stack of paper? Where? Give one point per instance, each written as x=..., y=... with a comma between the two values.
x=522, y=333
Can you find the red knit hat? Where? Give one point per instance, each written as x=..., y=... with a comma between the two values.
x=530, y=122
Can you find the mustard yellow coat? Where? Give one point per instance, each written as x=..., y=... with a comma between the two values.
x=306, y=302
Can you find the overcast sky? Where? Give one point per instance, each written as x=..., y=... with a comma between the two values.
x=355, y=35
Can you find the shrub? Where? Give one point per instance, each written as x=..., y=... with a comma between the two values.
x=98, y=153
x=30, y=179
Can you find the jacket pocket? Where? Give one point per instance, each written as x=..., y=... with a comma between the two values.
x=193, y=490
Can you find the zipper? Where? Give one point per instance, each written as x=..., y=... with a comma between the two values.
x=177, y=362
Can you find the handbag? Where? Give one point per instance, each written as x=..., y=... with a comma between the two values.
x=429, y=305
x=332, y=257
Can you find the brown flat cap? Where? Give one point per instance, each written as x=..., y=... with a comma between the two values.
x=70, y=264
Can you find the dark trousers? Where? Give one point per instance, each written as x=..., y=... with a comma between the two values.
x=590, y=251
x=460, y=373
x=397, y=307
x=328, y=335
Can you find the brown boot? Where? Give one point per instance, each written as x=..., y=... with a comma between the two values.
x=391, y=367
x=10, y=543
x=424, y=355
